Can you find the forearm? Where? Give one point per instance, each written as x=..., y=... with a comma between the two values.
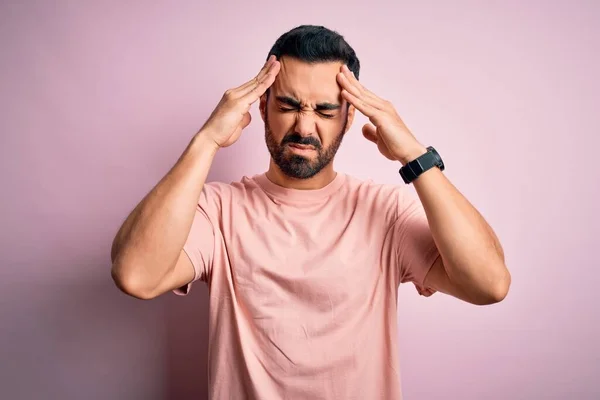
x=151, y=238
x=472, y=255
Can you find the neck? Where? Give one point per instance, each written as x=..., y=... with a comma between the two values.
x=320, y=180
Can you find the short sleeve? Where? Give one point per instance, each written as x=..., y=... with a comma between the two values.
x=413, y=242
x=200, y=243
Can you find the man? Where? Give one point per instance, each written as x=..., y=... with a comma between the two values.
x=303, y=263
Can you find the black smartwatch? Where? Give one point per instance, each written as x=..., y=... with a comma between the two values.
x=411, y=170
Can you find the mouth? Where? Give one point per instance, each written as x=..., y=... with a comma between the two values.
x=301, y=146
x=301, y=149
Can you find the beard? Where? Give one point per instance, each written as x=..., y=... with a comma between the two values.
x=295, y=165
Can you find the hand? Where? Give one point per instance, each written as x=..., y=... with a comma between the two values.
x=224, y=126
x=387, y=131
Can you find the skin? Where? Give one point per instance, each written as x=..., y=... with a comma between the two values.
x=146, y=253
x=471, y=265
x=305, y=105
x=147, y=256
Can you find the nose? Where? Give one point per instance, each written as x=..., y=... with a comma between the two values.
x=305, y=124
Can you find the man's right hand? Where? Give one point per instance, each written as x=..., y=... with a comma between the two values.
x=147, y=252
x=231, y=116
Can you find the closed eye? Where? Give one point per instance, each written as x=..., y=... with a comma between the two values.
x=324, y=115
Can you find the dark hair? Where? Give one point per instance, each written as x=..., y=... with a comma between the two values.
x=314, y=44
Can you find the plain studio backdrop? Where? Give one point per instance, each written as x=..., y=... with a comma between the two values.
x=98, y=99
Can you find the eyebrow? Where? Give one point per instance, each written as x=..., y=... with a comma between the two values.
x=292, y=102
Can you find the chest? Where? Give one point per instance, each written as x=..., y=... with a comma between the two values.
x=312, y=261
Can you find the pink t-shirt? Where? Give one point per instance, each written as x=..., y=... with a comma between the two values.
x=303, y=286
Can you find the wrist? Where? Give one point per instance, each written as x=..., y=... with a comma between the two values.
x=415, y=152
x=203, y=143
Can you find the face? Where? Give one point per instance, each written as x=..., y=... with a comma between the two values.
x=305, y=117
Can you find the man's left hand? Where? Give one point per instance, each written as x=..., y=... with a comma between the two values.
x=387, y=131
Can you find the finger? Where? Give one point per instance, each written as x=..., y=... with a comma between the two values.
x=349, y=86
x=369, y=133
x=362, y=106
x=358, y=92
x=258, y=84
x=244, y=88
x=261, y=87
x=349, y=78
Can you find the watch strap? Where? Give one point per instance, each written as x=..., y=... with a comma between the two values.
x=411, y=170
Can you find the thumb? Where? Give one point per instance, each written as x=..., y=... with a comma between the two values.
x=369, y=132
x=246, y=120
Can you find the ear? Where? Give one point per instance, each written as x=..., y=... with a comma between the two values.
x=351, y=111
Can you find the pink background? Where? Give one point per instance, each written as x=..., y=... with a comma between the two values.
x=99, y=99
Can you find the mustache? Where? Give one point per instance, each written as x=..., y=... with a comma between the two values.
x=298, y=139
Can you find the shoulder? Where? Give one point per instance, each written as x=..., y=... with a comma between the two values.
x=369, y=187
x=222, y=192
x=394, y=197
x=376, y=195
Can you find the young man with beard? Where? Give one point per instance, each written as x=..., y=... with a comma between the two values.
x=303, y=262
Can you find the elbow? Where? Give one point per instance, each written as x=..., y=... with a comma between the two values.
x=498, y=295
x=130, y=281
x=498, y=289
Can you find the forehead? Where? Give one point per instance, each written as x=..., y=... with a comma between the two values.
x=309, y=83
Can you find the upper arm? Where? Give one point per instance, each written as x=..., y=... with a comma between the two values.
x=182, y=274
x=438, y=279
x=415, y=248
x=196, y=259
